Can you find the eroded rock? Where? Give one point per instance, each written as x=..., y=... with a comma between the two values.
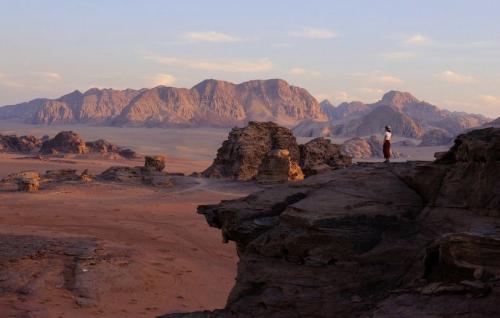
x=242, y=153
x=320, y=154
x=22, y=144
x=278, y=166
x=65, y=142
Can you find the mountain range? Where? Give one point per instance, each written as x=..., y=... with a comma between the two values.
x=209, y=103
x=224, y=104
x=407, y=115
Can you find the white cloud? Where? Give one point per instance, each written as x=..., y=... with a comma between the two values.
x=335, y=97
x=162, y=79
x=372, y=91
x=313, y=33
x=211, y=36
x=402, y=55
x=49, y=76
x=298, y=71
x=455, y=78
x=388, y=79
x=241, y=66
x=417, y=39
x=490, y=99
x=7, y=81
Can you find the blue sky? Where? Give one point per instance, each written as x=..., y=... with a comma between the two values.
x=444, y=52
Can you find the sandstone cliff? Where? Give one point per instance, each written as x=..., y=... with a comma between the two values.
x=416, y=239
x=209, y=103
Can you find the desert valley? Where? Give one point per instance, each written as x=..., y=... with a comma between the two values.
x=266, y=159
x=109, y=228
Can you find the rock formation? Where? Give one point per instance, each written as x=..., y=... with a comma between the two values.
x=69, y=142
x=64, y=142
x=366, y=148
x=321, y=154
x=150, y=174
x=22, y=144
x=209, y=103
x=241, y=154
x=26, y=181
x=156, y=163
x=436, y=137
x=278, y=166
x=416, y=239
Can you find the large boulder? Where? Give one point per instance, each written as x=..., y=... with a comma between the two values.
x=26, y=181
x=277, y=166
x=65, y=142
x=366, y=148
x=436, y=137
x=242, y=153
x=321, y=154
x=22, y=144
x=371, y=240
x=102, y=146
x=156, y=163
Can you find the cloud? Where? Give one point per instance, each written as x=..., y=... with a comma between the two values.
x=335, y=97
x=388, y=79
x=7, y=81
x=298, y=71
x=417, y=39
x=490, y=99
x=313, y=33
x=238, y=66
x=211, y=36
x=162, y=79
x=49, y=76
x=399, y=55
x=455, y=78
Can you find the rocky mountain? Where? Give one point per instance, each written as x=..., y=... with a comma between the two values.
x=495, y=123
x=409, y=117
x=366, y=148
x=209, y=103
x=414, y=239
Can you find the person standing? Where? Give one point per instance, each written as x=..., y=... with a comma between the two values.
x=387, y=144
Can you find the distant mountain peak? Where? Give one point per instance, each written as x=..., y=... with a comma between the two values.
x=209, y=103
x=398, y=99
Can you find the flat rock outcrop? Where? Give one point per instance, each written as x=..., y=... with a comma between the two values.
x=242, y=153
x=320, y=154
x=21, y=144
x=150, y=174
x=278, y=166
x=372, y=240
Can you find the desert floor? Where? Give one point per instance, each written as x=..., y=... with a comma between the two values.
x=111, y=250
x=115, y=250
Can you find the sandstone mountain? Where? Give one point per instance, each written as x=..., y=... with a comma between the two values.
x=408, y=116
x=209, y=103
x=414, y=239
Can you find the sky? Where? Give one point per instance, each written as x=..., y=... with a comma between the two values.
x=445, y=52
